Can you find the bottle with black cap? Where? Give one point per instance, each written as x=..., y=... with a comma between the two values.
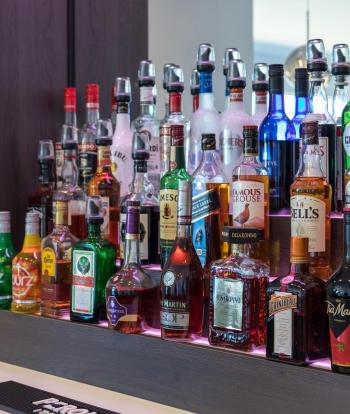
x=260, y=92
x=231, y=53
x=301, y=99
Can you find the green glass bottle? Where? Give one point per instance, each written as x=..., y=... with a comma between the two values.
x=7, y=252
x=169, y=186
x=93, y=263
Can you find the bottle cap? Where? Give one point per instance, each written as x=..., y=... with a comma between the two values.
x=5, y=222
x=94, y=210
x=236, y=74
x=184, y=205
x=92, y=93
x=299, y=249
x=341, y=60
x=104, y=132
x=261, y=77
x=122, y=89
x=132, y=220
x=177, y=135
x=309, y=132
x=146, y=73
x=70, y=99
x=46, y=150
x=241, y=235
x=316, y=56
x=276, y=70
x=175, y=79
x=141, y=145
x=206, y=57
x=231, y=53
x=194, y=82
x=166, y=69
x=208, y=142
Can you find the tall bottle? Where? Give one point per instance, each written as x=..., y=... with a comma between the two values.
x=26, y=270
x=311, y=202
x=194, y=86
x=276, y=134
x=206, y=119
x=233, y=118
x=301, y=99
x=318, y=110
x=147, y=120
x=122, y=137
x=93, y=263
x=7, y=252
x=182, y=281
x=231, y=53
x=260, y=92
x=113, y=108
x=87, y=136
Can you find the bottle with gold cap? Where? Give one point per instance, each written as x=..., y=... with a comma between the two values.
x=297, y=324
x=56, y=262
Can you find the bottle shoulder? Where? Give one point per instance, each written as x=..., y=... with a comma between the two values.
x=173, y=177
x=250, y=169
x=131, y=276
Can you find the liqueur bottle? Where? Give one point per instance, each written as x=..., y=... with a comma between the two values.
x=233, y=118
x=113, y=108
x=122, y=138
x=194, y=86
x=210, y=205
x=260, y=92
x=132, y=295
x=206, y=119
x=238, y=293
x=297, y=319
x=318, y=110
x=56, y=264
x=311, y=202
x=93, y=263
x=182, y=281
x=26, y=270
x=276, y=132
x=87, y=136
x=301, y=99
x=7, y=252
x=169, y=185
x=231, y=53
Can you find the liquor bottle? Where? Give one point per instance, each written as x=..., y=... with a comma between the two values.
x=113, y=108
x=311, y=202
x=233, y=119
x=210, y=204
x=194, y=86
x=169, y=185
x=56, y=264
x=41, y=200
x=87, y=136
x=70, y=120
x=7, y=252
x=93, y=263
x=166, y=69
x=105, y=185
x=122, y=137
x=318, y=110
x=238, y=293
x=147, y=120
x=260, y=92
x=231, y=53
x=206, y=119
x=250, y=187
x=297, y=319
x=26, y=270
x=301, y=100
x=276, y=132
x=132, y=295
x=182, y=281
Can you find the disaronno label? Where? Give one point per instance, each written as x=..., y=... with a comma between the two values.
x=308, y=219
x=346, y=139
x=168, y=214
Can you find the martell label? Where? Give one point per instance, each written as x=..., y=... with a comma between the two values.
x=175, y=314
x=346, y=139
x=83, y=282
x=168, y=214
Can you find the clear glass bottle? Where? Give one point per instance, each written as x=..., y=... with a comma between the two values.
x=56, y=264
x=231, y=53
x=194, y=86
x=7, y=252
x=132, y=295
x=260, y=88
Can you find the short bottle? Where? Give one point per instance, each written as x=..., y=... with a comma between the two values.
x=132, y=295
x=238, y=293
x=7, y=253
x=182, y=280
x=56, y=265
x=26, y=270
x=93, y=263
x=260, y=88
x=297, y=319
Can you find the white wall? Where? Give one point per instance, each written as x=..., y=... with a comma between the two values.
x=177, y=27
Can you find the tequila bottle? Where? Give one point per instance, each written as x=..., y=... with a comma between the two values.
x=260, y=92
x=7, y=252
x=194, y=86
x=231, y=53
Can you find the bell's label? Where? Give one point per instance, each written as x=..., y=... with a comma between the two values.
x=228, y=303
x=247, y=204
x=175, y=314
x=105, y=225
x=168, y=214
x=205, y=204
x=346, y=139
x=308, y=219
x=116, y=312
x=75, y=208
x=25, y=282
x=323, y=144
x=48, y=262
x=144, y=234
x=83, y=282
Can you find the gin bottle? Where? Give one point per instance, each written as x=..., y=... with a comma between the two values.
x=231, y=53
x=260, y=92
x=7, y=252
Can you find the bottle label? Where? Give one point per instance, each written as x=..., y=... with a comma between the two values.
x=116, y=312
x=281, y=306
x=5, y=277
x=175, y=314
x=48, y=262
x=75, y=208
x=105, y=225
x=308, y=219
x=61, y=212
x=165, y=139
x=205, y=82
x=346, y=139
x=168, y=214
x=83, y=282
x=25, y=282
x=247, y=204
x=228, y=303
x=323, y=143
x=339, y=320
x=59, y=159
x=231, y=148
x=144, y=228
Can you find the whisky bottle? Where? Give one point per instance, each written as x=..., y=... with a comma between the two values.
x=311, y=202
x=132, y=295
x=7, y=252
x=26, y=270
x=182, y=281
x=297, y=320
x=56, y=264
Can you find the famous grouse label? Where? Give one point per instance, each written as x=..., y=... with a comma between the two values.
x=168, y=214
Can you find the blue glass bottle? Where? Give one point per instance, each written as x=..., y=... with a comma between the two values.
x=276, y=135
x=301, y=98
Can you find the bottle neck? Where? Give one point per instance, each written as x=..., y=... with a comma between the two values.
x=276, y=102
x=195, y=102
x=260, y=102
x=318, y=102
x=340, y=97
x=70, y=172
x=132, y=237
x=31, y=238
x=94, y=229
x=310, y=162
x=6, y=240
x=104, y=159
x=123, y=116
x=299, y=268
x=177, y=157
x=132, y=251
x=70, y=118
x=175, y=102
x=206, y=96
x=92, y=114
x=301, y=105
x=147, y=106
x=208, y=156
x=236, y=99
x=140, y=170
x=346, y=236
x=47, y=173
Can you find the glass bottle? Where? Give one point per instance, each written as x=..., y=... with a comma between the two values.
x=113, y=108
x=231, y=53
x=56, y=265
x=169, y=185
x=93, y=263
x=301, y=99
x=194, y=86
x=166, y=69
x=26, y=270
x=182, y=281
x=132, y=295
x=311, y=202
x=276, y=133
x=260, y=88
x=7, y=253
x=238, y=293
x=297, y=320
